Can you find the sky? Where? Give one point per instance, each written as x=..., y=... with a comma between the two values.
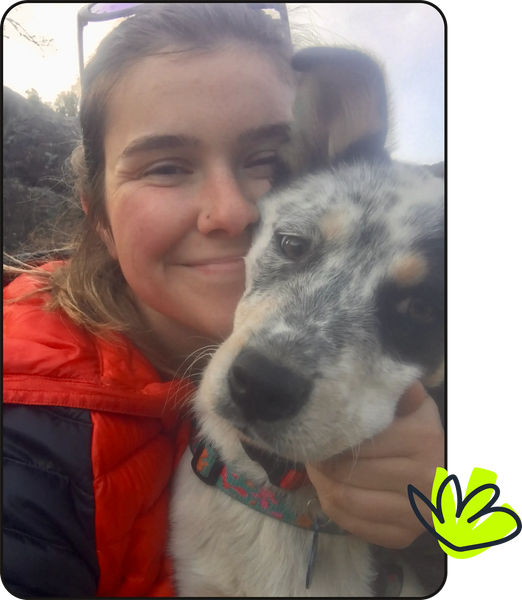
x=408, y=38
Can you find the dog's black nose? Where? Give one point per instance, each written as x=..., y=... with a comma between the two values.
x=265, y=390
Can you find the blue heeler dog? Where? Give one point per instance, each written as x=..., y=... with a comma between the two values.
x=343, y=310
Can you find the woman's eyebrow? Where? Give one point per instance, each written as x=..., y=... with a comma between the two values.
x=162, y=142
x=158, y=142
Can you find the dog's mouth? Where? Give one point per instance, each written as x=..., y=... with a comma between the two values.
x=250, y=436
x=276, y=467
x=267, y=442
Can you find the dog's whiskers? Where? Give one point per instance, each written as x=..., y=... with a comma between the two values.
x=182, y=402
x=197, y=355
x=202, y=349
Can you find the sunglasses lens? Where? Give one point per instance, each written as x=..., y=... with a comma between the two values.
x=101, y=8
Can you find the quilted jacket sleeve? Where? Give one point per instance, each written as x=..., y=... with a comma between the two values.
x=49, y=545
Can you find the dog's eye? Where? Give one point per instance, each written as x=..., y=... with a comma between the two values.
x=418, y=309
x=294, y=247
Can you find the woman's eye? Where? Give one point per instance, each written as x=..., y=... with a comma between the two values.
x=165, y=170
x=263, y=167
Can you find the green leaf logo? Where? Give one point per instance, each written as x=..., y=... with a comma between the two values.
x=456, y=523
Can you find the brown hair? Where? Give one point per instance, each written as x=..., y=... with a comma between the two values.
x=90, y=286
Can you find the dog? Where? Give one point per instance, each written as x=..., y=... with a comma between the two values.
x=343, y=310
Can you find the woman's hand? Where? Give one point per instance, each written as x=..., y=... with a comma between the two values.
x=365, y=491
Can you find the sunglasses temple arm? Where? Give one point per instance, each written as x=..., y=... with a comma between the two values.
x=283, y=13
x=81, y=25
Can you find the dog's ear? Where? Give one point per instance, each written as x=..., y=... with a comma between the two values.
x=341, y=109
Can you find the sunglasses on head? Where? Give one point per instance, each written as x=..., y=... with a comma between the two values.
x=100, y=11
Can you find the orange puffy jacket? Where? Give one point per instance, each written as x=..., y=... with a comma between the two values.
x=91, y=437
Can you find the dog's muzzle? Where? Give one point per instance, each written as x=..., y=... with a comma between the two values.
x=265, y=390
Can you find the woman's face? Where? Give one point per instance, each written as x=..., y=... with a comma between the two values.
x=189, y=149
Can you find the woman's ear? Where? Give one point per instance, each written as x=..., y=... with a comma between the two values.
x=104, y=232
x=85, y=203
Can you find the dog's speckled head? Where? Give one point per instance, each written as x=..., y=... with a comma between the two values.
x=343, y=308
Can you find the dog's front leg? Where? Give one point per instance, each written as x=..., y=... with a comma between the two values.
x=198, y=541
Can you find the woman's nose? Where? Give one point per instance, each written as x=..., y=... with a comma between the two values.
x=225, y=205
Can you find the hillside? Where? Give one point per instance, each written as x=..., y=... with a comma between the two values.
x=37, y=142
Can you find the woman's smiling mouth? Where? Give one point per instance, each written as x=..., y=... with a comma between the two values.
x=231, y=264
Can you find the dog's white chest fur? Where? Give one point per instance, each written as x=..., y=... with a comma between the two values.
x=223, y=548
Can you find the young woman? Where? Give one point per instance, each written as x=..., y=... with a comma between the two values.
x=183, y=110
